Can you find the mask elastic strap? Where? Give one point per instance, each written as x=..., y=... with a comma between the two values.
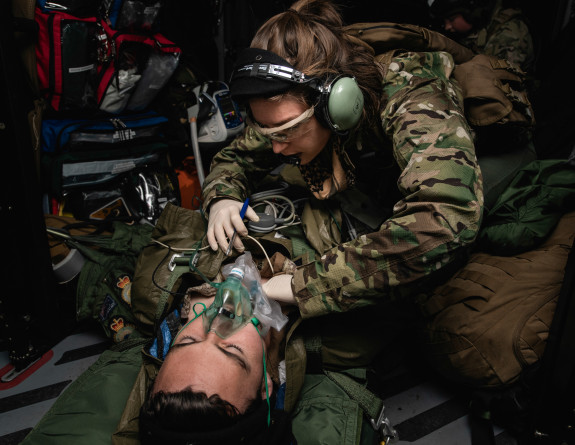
x=256, y=323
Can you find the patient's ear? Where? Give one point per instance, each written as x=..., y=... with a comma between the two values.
x=270, y=386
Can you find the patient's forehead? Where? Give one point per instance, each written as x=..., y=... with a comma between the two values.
x=194, y=303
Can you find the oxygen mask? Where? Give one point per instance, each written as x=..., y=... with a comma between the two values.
x=232, y=307
x=239, y=301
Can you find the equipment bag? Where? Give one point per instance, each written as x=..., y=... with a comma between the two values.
x=494, y=90
x=88, y=152
x=139, y=194
x=538, y=409
x=131, y=15
x=67, y=60
x=109, y=167
x=496, y=102
x=132, y=58
x=133, y=184
x=507, y=301
x=384, y=37
x=158, y=70
x=68, y=135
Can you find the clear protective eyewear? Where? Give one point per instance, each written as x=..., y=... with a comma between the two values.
x=285, y=132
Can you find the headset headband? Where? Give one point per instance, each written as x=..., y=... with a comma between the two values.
x=267, y=70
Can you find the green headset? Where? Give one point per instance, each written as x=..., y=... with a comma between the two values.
x=339, y=103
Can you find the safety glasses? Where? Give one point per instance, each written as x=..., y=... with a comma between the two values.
x=286, y=132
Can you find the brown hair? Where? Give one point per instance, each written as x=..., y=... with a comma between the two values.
x=189, y=410
x=310, y=36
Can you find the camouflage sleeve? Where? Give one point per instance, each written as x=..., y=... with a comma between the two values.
x=237, y=168
x=512, y=41
x=441, y=185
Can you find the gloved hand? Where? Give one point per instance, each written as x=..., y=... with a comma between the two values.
x=224, y=216
x=279, y=288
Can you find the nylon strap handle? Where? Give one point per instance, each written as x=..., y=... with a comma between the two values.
x=370, y=403
x=367, y=400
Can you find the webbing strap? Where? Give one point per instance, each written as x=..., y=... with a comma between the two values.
x=370, y=403
x=367, y=400
x=176, y=273
x=314, y=363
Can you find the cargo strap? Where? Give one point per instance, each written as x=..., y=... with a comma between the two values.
x=371, y=404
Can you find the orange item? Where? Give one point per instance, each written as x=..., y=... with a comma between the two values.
x=190, y=188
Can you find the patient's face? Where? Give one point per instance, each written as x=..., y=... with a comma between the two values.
x=231, y=368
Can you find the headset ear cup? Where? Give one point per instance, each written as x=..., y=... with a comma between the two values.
x=343, y=105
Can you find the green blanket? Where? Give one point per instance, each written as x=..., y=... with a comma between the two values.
x=529, y=208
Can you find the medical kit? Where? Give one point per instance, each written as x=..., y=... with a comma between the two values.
x=101, y=58
x=113, y=166
x=134, y=69
x=59, y=135
x=103, y=151
x=67, y=60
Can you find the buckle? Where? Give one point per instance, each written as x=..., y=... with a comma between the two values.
x=383, y=426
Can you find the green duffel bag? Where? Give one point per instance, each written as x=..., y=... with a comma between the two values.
x=88, y=410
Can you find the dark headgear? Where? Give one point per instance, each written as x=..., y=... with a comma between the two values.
x=261, y=73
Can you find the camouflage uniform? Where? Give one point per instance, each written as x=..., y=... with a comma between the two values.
x=506, y=36
x=439, y=211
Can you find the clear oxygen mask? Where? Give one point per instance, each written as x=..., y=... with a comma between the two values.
x=240, y=300
x=232, y=307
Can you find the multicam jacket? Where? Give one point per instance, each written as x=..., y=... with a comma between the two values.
x=437, y=216
x=506, y=36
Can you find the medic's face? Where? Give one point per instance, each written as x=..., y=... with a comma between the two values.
x=231, y=368
x=306, y=140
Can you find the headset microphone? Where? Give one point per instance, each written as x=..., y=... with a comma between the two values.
x=292, y=160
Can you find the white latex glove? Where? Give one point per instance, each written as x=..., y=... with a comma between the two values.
x=224, y=217
x=279, y=288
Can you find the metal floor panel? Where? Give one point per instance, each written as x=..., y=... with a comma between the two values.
x=424, y=413
x=23, y=405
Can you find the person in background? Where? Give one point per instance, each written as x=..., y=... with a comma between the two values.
x=488, y=27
